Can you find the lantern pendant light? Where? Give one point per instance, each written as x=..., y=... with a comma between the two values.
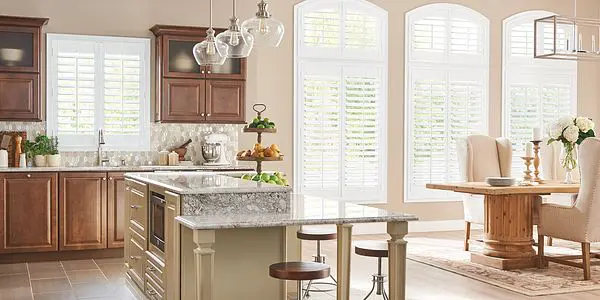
x=239, y=40
x=211, y=51
x=266, y=30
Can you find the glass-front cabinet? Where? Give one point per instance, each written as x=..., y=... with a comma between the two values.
x=181, y=82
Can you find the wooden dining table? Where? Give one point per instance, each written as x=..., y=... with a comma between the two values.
x=508, y=214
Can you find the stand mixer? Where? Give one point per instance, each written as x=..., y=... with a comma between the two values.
x=213, y=150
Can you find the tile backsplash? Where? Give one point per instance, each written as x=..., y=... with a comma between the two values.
x=163, y=137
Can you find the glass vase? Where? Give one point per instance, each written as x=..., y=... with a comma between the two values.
x=568, y=160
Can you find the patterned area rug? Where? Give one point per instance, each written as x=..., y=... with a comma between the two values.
x=556, y=279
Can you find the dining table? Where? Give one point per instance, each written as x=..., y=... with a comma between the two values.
x=508, y=220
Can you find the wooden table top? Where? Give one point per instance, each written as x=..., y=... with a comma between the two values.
x=482, y=188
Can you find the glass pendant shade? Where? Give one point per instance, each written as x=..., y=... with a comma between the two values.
x=211, y=51
x=266, y=30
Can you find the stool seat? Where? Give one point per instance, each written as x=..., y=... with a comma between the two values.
x=316, y=235
x=299, y=270
x=372, y=249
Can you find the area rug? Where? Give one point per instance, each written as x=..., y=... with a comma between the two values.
x=448, y=255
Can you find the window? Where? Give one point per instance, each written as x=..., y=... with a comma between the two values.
x=536, y=91
x=341, y=100
x=447, y=67
x=98, y=83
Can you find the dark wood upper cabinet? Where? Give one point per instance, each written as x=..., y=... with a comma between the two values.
x=20, y=68
x=82, y=215
x=223, y=101
x=183, y=87
x=28, y=212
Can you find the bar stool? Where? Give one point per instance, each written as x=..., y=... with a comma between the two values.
x=299, y=271
x=317, y=235
x=379, y=250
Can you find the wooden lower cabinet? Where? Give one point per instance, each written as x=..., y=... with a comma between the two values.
x=83, y=205
x=28, y=212
x=116, y=210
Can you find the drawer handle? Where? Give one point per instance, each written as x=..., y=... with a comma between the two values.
x=135, y=206
x=127, y=188
x=135, y=257
x=151, y=269
x=152, y=292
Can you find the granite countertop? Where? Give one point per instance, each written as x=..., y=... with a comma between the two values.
x=124, y=169
x=194, y=183
x=305, y=210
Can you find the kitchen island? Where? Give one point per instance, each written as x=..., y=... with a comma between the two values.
x=222, y=233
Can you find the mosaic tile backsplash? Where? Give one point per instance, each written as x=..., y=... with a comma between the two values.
x=163, y=137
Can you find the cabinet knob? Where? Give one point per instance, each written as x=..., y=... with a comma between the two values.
x=135, y=206
x=151, y=292
x=110, y=178
x=135, y=257
x=202, y=72
x=208, y=115
x=28, y=175
x=209, y=72
x=104, y=178
x=127, y=189
x=202, y=114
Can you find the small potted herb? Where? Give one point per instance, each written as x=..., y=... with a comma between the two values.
x=43, y=150
x=53, y=157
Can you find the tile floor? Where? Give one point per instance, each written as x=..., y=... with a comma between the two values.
x=66, y=280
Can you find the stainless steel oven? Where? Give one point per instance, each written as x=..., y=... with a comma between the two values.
x=157, y=220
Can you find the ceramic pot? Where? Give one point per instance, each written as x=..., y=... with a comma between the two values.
x=40, y=160
x=53, y=160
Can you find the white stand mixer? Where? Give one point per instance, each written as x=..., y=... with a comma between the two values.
x=219, y=141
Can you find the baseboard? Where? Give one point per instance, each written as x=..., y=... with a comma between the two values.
x=417, y=226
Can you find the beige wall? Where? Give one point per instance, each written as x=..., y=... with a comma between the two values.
x=272, y=82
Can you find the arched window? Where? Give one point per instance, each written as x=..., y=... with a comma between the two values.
x=536, y=92
x=447, y=70
x=341, y=99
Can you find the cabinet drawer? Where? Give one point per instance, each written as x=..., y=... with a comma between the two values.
x=137, y=207
x=136, y=261
x=155, y=269
x=153, y=290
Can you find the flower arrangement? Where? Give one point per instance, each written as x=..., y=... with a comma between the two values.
x=570, y=132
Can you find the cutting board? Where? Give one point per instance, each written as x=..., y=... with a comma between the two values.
x=7, y=141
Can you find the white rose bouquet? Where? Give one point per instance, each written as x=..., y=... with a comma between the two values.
x=570, y=132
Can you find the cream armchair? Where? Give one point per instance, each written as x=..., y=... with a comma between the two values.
x=481, y=156
x=579, y=222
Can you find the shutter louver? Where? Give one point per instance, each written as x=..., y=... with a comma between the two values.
x=429, y=34
x=75, y=93
x=465, y=37
x=360, y=31
x=122, y=94
x=322, y=28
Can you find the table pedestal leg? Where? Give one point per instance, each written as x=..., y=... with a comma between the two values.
x=397, y=259
x=344, y=247
x=508, y=232
x=204, y=258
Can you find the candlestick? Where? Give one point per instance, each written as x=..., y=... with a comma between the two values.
x=528, y=149
x=536, y=161
x=527, y=173
x=537, y=134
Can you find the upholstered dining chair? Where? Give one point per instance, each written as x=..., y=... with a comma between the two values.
x=481, y=156
x=579, y=222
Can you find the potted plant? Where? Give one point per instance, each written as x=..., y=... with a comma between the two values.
x=53, y=157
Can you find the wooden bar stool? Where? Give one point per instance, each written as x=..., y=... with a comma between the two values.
x=379, y=250
x=299, y=271
x=318, y=235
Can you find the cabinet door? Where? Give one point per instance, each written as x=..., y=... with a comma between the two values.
x=178, y=59
x=19, y=49
x=233, y=68
x=183, y=100
x=19, y=97
x=225, y=101
x=82, y=202
x=28, y=212
x=116, y=210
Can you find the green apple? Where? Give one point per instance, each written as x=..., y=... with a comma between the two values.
x=265, y=177
x=272, y=182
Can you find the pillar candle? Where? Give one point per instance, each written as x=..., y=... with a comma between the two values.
x=528, y=149
x=537, y=134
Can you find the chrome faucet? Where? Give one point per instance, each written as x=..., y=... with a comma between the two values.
x=102, y=158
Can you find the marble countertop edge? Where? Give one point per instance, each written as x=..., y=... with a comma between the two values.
x=122, y=169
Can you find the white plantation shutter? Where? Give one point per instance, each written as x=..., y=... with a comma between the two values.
x=536, y=92
x=340, y=103
x=98, y=82
x=447, y=92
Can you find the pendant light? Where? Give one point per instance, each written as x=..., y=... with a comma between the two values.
x=239, y=40
x=266, y=30
x=211, y=51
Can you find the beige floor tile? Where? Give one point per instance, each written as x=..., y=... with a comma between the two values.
x=50, y=285
x=67, y=295
x=77, y=265
x=109, y=261
x=113, y=271
x=48, y=265
x=15, y=287
x=85, y=276
x=49, y=273
x=96, y=290
x=11, y=269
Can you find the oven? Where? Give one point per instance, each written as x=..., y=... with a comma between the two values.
x=157, y=221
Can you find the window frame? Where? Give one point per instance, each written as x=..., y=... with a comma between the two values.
x=89, y=142
x=341, y=60
x=531, y=70
x=452, y=63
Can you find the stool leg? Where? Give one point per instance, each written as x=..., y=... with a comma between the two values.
x=372, y=289
x=299, y=292
x=379, y=278
x=306, y=295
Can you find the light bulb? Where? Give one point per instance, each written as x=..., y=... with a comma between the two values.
x=234, y=38
x=210, y=49
x=263, y=27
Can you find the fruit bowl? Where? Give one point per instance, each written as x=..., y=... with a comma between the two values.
x=276, y=178
x=259, y=123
